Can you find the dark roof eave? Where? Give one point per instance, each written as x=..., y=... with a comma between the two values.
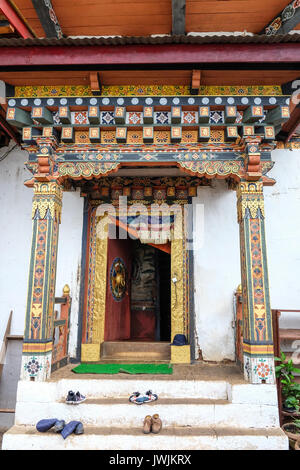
x=144, y=40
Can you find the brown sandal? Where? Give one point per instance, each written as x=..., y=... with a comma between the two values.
x=156, y=424
x=147, y=424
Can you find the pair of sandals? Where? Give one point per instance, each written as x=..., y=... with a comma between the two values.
x=139, y=399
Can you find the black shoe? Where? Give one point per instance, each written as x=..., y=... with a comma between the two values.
x=59, y=425
x=78, y=398
x=71, y=398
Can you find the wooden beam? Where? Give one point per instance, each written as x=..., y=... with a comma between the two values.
x=275, y=56
x=196, y=81
x=15, y=337
x=288, y=129
x=7, y=128
x=285, y=21
x=4, y=343
x=95, y=83
x=5, y=30
x=178, y=17
x=48, y=18
x=15, y=20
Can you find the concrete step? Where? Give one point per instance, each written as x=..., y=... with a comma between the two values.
x=109, y=387
x=118, y=412
x=136, y=350
x=129, y=438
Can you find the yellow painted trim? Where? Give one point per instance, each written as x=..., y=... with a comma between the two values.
x=92, y=352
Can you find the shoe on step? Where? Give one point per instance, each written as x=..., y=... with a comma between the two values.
x=78, y=398
x=79, y=429
x=147, y=424
x=70, y=398
x=59, y=425
x=156, y=424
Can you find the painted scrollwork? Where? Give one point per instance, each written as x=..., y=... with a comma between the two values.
x=86, y=169
x=216, y=168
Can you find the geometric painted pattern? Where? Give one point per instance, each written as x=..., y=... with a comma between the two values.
x=189, y=117
x=257, y=320
x=38, y=333
x=80, y=117
x=135, y=118
x=162, y=117
x=216, y=117
x=107, y=117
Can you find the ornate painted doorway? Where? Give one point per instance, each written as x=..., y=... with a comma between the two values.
x=137, y=288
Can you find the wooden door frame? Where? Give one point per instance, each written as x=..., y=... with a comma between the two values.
x=96, y=285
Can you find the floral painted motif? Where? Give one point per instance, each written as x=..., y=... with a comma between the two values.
x=135, y=118
x=32, y=367
x=51, y=91
x=161, y=117
x=80, y=117
x=216, y=117
x=263, y=369
x=142, y=90
x=107, y=117
x=189, y=117
x=162, y=137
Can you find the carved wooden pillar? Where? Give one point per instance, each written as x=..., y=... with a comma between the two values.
x=179, y=321
x=258, y=354
x=38, y=336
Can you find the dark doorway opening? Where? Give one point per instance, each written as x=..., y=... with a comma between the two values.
x=141, y=311
x=150, y=293
x=164, y=296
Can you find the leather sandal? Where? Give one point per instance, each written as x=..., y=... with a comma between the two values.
x=156, y=424
x=147, y=424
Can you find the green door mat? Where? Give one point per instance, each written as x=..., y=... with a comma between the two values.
x=126, y=368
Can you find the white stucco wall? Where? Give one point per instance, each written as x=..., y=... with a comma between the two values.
x=217, y=260
x=282, y=205
x=15, y=244
x=15, y=238
x=69, y=257
x=217, y=271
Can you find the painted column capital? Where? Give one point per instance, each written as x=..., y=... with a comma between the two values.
x=47, y=200
x=250, y=200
